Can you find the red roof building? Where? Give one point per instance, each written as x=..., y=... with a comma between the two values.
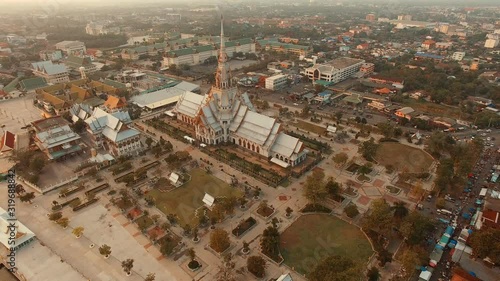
x=428, y=44
x=8, y=142
x=491, y=218
x=459, y=274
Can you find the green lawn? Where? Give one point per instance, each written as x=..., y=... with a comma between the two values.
x=309, y=127
x=184, y=200
x=313, y=237
x=402, y=157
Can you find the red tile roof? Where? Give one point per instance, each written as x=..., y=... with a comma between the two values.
x=387, y=79
x=8, y=142
x=461, y=275
x=491, y=218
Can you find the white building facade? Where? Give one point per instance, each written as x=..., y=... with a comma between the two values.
x=334, y=71
x=458, y=56
x=276, y=82
x=53, y=73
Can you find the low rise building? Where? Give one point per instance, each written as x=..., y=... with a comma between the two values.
x=76, y=62
x=58, y=99
x=72, y=48
x=198, y=54
x=405, y=112
x=458, y=56
x=334, y=71
x=52, y=55
x=379, y=104
x=276, y=82
x=367, y=68
x=274, y=45
x=110, y=131
x=491, y=43
x=428, y=44
x=52, y=73
x=395, y=82
x=54, y=137
x=444, y=45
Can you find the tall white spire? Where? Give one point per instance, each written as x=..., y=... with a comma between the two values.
x=223, y=75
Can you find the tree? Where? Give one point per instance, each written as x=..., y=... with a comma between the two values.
x=440, y=203
x=63, y=222
x=78, y=231
x=335, y=268
x=127, y=265
x=380, y=217
x=439, y=143
x=373, y=274
x=351, y=210
x=364, y=169
x=314, y=187
x=269, y=242
x=387, y=129
x=246, y=247
x=105, y=250
x=338, y=116
x=55, y=216
x=400, y=210
x=226, y=270
x=332, y=187
x=486, y=243
x=368, y=149
x=149, y=141
x=150, y=277
x=257, y=266
x=415, y=228
x=384, y=257
x=187, y=229
x=412, y=258
x=79, y=126
x=191, y=254
x=219, y=240
x=37, y=163
x=340, y=158
x=27, y=197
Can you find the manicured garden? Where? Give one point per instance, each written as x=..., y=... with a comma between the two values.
x=399, y=155
x=312, y=237
x=184, y=200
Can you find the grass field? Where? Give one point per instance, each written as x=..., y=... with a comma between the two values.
x=314, y=237
x=401, y=157
x=309, y=127
x=184, y=200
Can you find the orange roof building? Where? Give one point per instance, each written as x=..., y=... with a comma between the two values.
x=459, y=274
x=113, y=103
x=383, y=91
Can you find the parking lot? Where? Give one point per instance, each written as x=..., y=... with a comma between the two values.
x=17, y=113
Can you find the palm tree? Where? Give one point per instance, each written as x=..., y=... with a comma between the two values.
x=127, y=266
x=105, y=250
x=78, y=231
x=400, y=210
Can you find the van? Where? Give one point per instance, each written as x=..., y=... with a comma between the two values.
x=444, y=211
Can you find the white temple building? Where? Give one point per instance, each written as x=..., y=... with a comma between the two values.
x=225, y=116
